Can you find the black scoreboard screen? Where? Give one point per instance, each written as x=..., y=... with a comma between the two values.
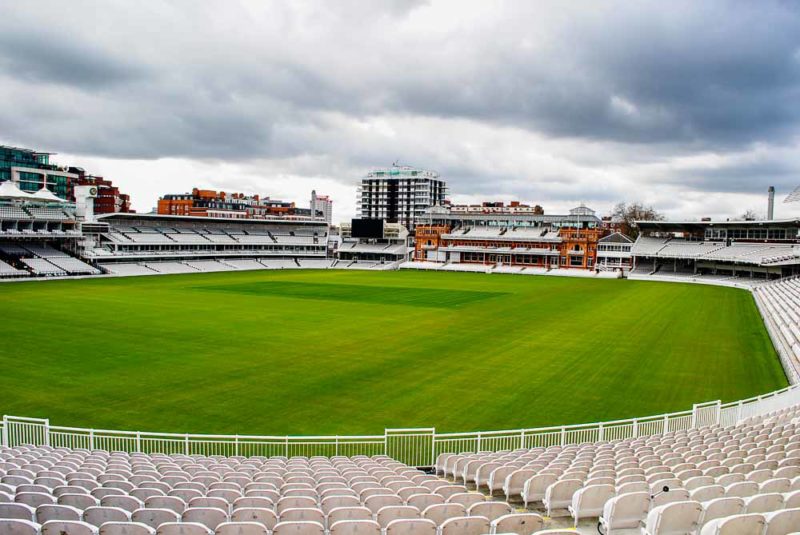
x=367, y=228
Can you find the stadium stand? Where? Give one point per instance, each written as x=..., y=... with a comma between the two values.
x=48, y=486
x=153, y=238
x=245, y=264
x=10, y=271
x=128, y=269
x=698, y=479
x=40, y=266
x=779, y=304
x=507, y=269
x=717, y=252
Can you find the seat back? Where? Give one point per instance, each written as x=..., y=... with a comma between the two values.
x=183, y=528
x=97, y=516
x=68, y=527
x=417, y=526
x=465, y=525
x=519, y=523
x=394, y=512
x=782, y=522
x=126, y=528
x=736, y=525
x=303, y=514
x=355, y=527
x=626, y=511
x=241, y=528
x=707, y=493
x=211, y=517
x=154, y=517
x=298, y=528
x=764, y=503
x=491, y=510
x=675, y=517
x=17, y=511
x=722, y=507
x=57, y=512
x=423, y=500
x=173, y=503
x=440, y=513
x=263, y=516
x=16, y=526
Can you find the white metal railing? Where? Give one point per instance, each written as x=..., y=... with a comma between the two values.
x=416, y=447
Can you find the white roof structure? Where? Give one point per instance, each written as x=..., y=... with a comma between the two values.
x=46, y=195
x=9, y=190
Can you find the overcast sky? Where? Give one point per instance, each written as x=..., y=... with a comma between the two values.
x=693, y=107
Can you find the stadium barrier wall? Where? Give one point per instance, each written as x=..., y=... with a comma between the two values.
x=416, y=447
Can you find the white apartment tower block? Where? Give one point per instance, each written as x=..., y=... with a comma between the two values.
x=399, y=194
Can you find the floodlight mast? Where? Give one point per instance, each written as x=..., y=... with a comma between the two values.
x=793, y=196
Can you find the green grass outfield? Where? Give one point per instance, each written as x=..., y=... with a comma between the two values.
x=346, y=352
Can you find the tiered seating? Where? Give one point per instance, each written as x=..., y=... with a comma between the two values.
x=75, y=492
x=314, y=263
x=280, y=263
x=44, y=250
x=10, y=271
x=245, y=264
x=647, y=246
x=295, y=240
x=13, y=212
x=189, y=238
x=12, y=249
x=219, y=238
x=709, y=473
x=209, y=265
x=47, y=213
x=688, y=249
x=170, y=267
x=150, y=238
x=254, y=239
x=120, y=268
x=416, y=264
x=73, y=266
x=475, y=268
x=40, y=266
x=780, y=304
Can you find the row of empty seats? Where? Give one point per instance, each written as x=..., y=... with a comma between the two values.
x=208, y=266
x=42, y=259
x=750, y=468
x=279, y=495
x=743, y=252
x=779, y=302
x=48, y=213
x=508, y=269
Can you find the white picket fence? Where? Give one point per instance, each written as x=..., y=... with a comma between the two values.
x=416, y=447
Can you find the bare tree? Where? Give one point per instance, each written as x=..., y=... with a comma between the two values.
x=627, y=214
x=749, y=215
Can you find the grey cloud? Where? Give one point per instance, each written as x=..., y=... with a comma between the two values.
x=611, y=86
x=34, y=55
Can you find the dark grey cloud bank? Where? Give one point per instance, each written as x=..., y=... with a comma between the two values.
x=636, y=91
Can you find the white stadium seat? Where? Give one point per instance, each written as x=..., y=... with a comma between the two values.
x=241, y=528
x=68, y=527
x=676, y=517
x=626, y=511
x=126, y=528
x=16, y=526
x=752, y=524
x=519, y=523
